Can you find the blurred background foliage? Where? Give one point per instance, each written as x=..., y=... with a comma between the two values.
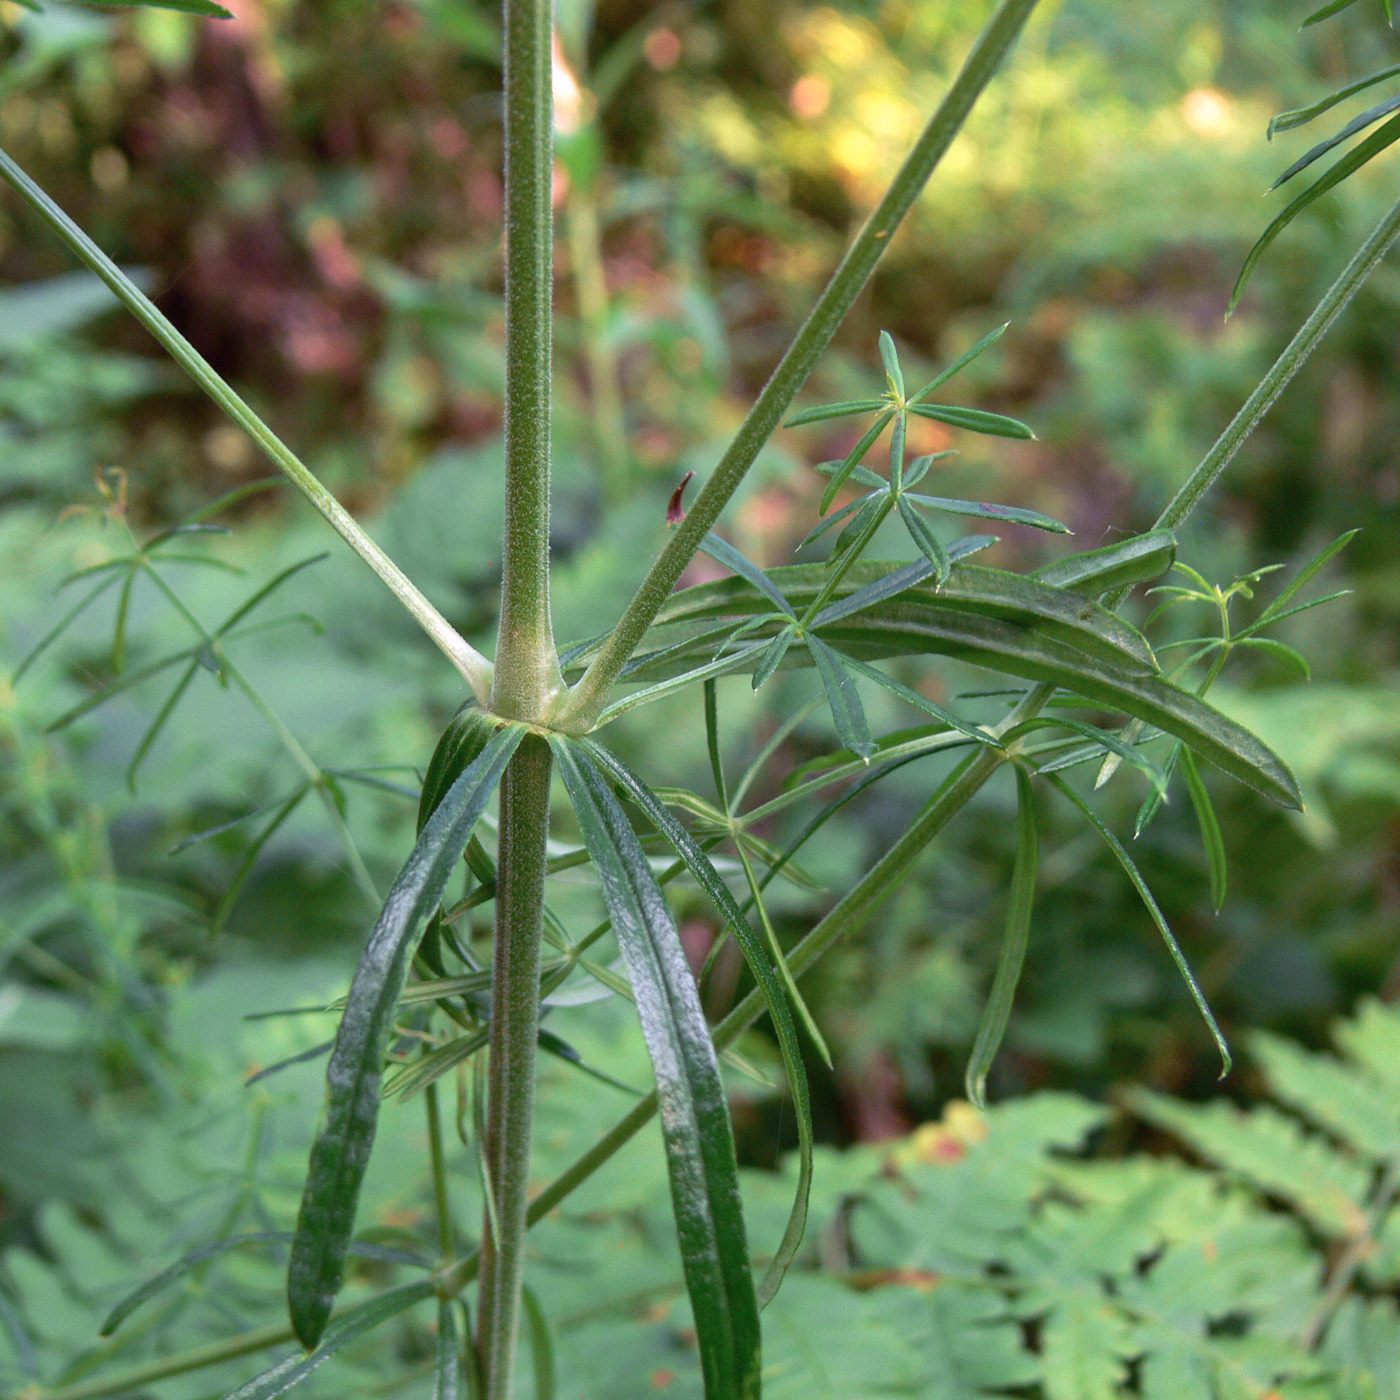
x=312, y=192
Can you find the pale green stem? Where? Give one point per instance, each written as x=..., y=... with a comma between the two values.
x=515, y=991
x=527, y=681
x=473, y=666
x=590, y=694
x=442, y=1206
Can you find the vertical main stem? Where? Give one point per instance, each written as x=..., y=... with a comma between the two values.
x=527, y=678
x=515, y=992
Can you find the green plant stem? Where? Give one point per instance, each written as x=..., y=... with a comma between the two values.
x=442, y=1206
x=1333, y=303
x=473, y=666
x=139, y=1377
x=527, y=680
x=515, y=991
x=589, y=695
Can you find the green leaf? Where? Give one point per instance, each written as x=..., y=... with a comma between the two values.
x=847, y=713
x=927, y=543
x=1101, y=738
x=1210, y=827
x=206, y=8
x=834, y=410
x=974, y=420
x=447, y=1374
x=838, y=477
x=986, y=510
x=1300, y=116
x=1280, y=651
x=1114, y=566
x=773, y=657
x=1013, y=945
x=1368, y=118
x=694, y=1114
x=962, y=361
x=340, y=1332
x=341, y=1151
x=813, y=535
x=458, y=747
x=1372, y=146
x=890, y=356
x=722, y=552
x=541, y=1344
x=1145, y=894
x=1306, y=574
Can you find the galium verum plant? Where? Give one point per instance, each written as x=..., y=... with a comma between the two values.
x=534, y=712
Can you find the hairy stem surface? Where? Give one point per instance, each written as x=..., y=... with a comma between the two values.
x=515, y=993
x=527, y=679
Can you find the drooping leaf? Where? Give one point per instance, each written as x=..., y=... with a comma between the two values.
x=997, y=1014
x=694, y=1114
x=1206, y=819
x=847, y=713
x=1150, y=903
x=776, y=994
x=1358, y=156
x=341, y=1151
x=1286, y=121
x=1367, y=118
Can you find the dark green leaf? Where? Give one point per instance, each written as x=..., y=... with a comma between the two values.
x=1103, y=738
x=341, y=1151
x=1279, y=651
x=722, y=552
x=985, y=510
x=812, y=536
x=541, y=1345
x=694, y=1115
x=207, y=8
x=766, y=977
x=1286, y=121
x=997, y=1014
x=447, y=1373
x=458, y=747
x=834, y=410
x=773, y=657
x=1358, y=156
x=1305, y=575
x=838, y=477
x=250, y=858
x=974, y=420
x=340, y=1332
x=928, y=544
x=1210, y=827
x=847, y=713
x=1115, y=566
x=314, y=1053
x=1368, y=118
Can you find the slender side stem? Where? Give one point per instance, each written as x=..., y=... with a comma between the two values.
x=473, y=666
x=527, y=680
x=441, y=1204
x=514, y=1024
x=589, y=695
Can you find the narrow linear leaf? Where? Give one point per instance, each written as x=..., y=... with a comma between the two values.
x=340, y=1332
x=1210, y=828
x=60, y=627
x=1136, y=560
x=890, y=357
x=963, y=360
x=974, y=420
x=694, y=1115
x=722, y=552
x=1280, y=651
x=822, y=526
x=1306, y=574
x=774, y=980
x=838, y=477
x=1367, y=118
x=997, y=1015
x=927, y=543
x=250, y=858
x=158, y=723
x=341, y=1151
x=314, y=1053
x=833, y=410
x=773, y=657
x=1372, y=146
x=1145, y=894
x=988, y=510
x=207, y=8
x=448, y=1382
x=541, y=1344
x=1114, y=743
x=1333, y=7
x=847, y=713
x=1300, y=116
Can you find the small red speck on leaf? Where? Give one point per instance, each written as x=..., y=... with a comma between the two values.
x=675, y=511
